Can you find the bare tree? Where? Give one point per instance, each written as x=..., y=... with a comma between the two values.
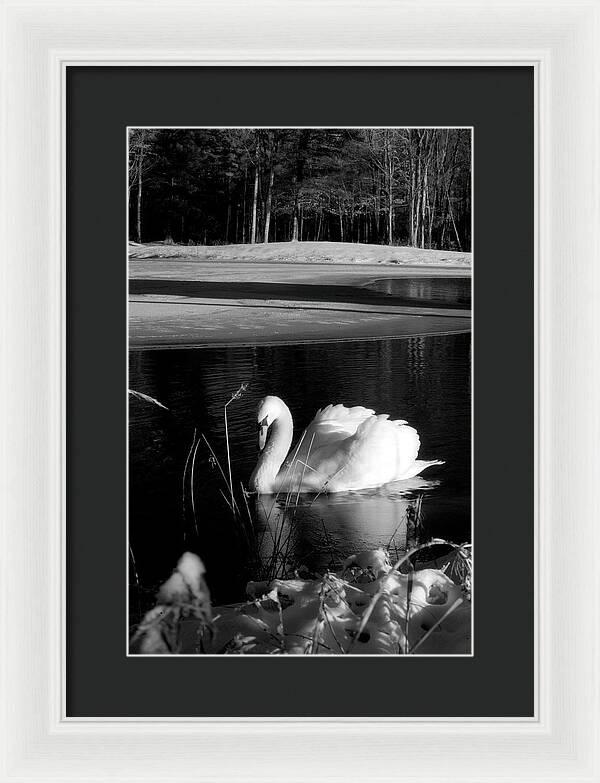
x=383, y=145
x=141, y=161
x=303, y=138
x=378, y=185
x=271, y=146
x=255, y=196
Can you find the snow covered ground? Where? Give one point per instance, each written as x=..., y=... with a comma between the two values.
x=306, y=252
x=367, y=608
x=239, y=316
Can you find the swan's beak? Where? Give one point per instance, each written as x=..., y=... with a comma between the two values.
x=262, y=433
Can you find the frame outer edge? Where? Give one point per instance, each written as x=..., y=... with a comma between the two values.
x=565, y=744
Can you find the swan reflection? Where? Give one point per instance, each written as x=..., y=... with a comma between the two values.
x=320, y=531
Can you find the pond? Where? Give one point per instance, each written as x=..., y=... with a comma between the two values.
x=449, y=292
x=425, y=380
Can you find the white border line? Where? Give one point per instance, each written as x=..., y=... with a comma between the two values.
x=176, y=656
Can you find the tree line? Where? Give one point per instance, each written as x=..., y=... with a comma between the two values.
x=396, y=186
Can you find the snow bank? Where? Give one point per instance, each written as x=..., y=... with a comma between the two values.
x=307, y=253
x=367, y=608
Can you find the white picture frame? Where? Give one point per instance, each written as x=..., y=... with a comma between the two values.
x=560, y=41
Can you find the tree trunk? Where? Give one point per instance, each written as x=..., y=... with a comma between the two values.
x=228, y=209
x=254, y=205
x=294, y=237
x=269, y=198
x=303, y=140
x=453, y=223
x=244, y=207
x=169, y=235
x=390, y=192
x=424, y=208
x=139, y=205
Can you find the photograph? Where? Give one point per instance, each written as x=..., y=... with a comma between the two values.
x=299, y=391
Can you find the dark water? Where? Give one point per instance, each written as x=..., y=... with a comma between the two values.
x=425, y=380
x=447, y=292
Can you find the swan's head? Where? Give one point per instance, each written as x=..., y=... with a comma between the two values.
x=269, y=409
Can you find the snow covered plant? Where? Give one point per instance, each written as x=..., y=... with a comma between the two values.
x=369, y=607
x=183, y=597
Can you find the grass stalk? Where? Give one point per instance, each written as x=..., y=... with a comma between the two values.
x=192, y=487
x=228, y=453
x=147, y=398
x=184, y=477
x=314, y=643
x=135, y=571
x=218, y=464
x=235, y=396
x=373, y=602
x=328, y=621
x=446, y=614
x=305, y=464
x=285, y=478
x=409, y=585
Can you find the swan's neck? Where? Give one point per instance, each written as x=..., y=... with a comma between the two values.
x=279, y=440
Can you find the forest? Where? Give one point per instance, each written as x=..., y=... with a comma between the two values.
x=390, y=186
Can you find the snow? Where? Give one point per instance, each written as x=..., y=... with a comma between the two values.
x=306, y=252
x=368, y=608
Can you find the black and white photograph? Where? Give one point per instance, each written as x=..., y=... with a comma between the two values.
x=300, y=391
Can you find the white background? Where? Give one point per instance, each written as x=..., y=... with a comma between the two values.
x=560, y=39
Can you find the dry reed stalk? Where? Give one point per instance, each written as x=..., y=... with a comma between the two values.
x=228, y=453
x=325, y=485
x=235, y=396
x=192, y=487
x=337, y=641
x=245, y=496
x=305, y=466
x=314, y=644
x=454, y=606
x=286, y=474
x=135, y=571
x=184, y=477
x=409, y=584
x=218, y=464
x=147, y=398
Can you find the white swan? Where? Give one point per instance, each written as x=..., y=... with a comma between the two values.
x=341, y=449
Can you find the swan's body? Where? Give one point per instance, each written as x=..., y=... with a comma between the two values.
x=341, y=449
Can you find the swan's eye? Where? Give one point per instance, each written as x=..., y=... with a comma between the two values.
x=263, y=423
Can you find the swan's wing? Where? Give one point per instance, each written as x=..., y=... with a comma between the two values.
x=330, y=426
x=337, y=421
x=378, y=452
x=382, y=451
x=353, y=448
